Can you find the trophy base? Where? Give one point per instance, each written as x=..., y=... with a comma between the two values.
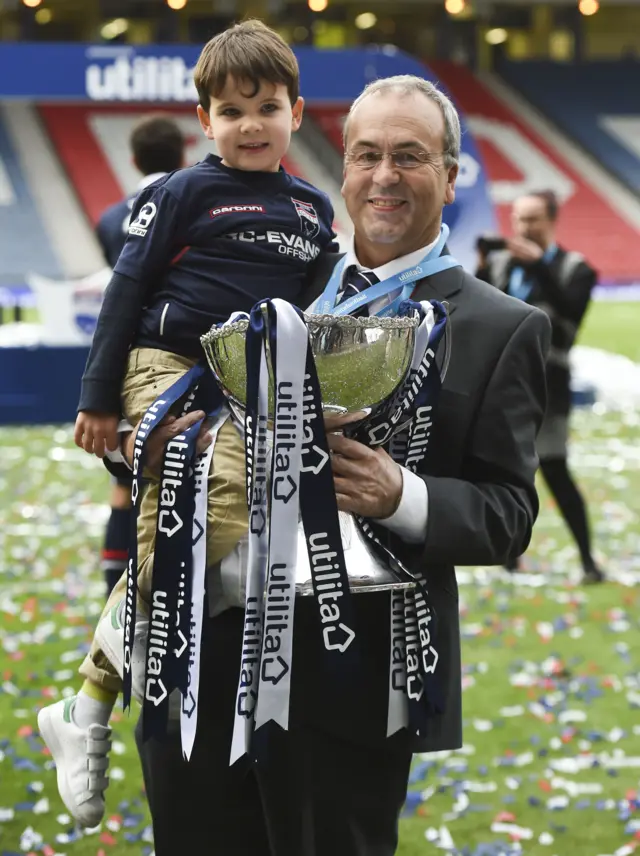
x=366, y=572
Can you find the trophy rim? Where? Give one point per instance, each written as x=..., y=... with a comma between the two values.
x=347, y=322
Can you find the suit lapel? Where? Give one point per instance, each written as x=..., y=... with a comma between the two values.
x=441, y=286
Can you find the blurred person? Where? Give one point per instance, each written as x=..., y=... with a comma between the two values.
x=204, y=242
x=532, y=267
x=157, y=147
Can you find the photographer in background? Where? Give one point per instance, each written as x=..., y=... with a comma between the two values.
x=532, y=267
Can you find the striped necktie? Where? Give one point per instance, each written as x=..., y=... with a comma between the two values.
x=354, y=282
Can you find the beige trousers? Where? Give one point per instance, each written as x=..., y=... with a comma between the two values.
x=151, y=372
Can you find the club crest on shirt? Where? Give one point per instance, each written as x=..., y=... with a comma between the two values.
x=309, y=223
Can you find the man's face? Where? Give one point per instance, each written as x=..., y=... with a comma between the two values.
x=252, y=132
x=396, y=211
x=530, y=220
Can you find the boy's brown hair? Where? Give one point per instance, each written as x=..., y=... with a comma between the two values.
x=250, y=52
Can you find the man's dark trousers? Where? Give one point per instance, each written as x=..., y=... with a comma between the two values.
x=322, y=795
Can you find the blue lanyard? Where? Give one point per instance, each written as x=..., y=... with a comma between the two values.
x=432, y=263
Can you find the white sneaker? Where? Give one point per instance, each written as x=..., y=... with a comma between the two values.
x=110, y=637
x=82, y=759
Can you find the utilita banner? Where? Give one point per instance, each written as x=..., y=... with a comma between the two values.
x=162, y=75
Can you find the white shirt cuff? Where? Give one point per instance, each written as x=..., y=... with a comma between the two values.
x=409, y=521
x=116, y=456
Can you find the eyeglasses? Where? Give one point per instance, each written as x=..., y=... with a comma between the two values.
x=402, y=159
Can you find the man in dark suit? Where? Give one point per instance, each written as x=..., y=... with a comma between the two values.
x=157, y=147
x=536, y=270
x=334, y=784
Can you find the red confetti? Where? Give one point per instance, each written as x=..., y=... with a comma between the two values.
x=107, y=838
x=48, y=850
x=504, y=817
x=25, y=731
x=544, y=785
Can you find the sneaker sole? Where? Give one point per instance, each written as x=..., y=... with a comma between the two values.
x=48, y=734
x=115, y=659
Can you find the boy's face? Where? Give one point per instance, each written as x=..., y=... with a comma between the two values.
x=251, y=133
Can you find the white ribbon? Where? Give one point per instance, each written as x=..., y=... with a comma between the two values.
x=249, y=678
x=288, y=436
x=189, y=704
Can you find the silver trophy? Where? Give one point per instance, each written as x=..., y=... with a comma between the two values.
x=361, y=363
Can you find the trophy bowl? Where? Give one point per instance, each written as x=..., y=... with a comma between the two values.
x=381, y=348
x=361, y=362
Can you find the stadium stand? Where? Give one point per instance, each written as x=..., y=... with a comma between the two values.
x=593, y=103
x=519, y=156
x=24, y=242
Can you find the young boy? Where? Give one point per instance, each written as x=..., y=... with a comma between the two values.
x=203, y=242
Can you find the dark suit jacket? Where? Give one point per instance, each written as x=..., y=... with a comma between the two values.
x=565, y=302
x=479, y=473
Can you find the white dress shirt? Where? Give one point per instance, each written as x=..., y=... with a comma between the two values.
x=410, y=518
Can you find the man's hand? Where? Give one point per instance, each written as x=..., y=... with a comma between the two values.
x=170, y=427
x=524, y=250
x=367, y=481
x=96, y=432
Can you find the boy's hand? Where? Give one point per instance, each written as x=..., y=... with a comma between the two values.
x=96, y=432
x=168, y=428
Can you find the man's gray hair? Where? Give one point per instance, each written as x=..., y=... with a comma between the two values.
x=407, y=84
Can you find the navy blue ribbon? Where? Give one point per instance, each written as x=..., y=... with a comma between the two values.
x=417, y=406
x=150, y=421
x=319, y=509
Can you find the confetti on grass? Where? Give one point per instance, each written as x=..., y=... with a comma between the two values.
x=551, y=761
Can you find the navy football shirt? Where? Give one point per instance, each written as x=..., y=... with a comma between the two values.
x=113, y=228
x=203, y=242
x=212, y=240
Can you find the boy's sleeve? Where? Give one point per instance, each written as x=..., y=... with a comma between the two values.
x=153, y=237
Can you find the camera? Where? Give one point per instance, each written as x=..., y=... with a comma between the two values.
x=486, y=245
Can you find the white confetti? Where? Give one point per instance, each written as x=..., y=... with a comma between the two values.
x=42, y=806
x=557, y=802
x=567, y=716
x=514, y=710
x=30, y=839
x=483, y=725
x=576, y=789
x=512, y=829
